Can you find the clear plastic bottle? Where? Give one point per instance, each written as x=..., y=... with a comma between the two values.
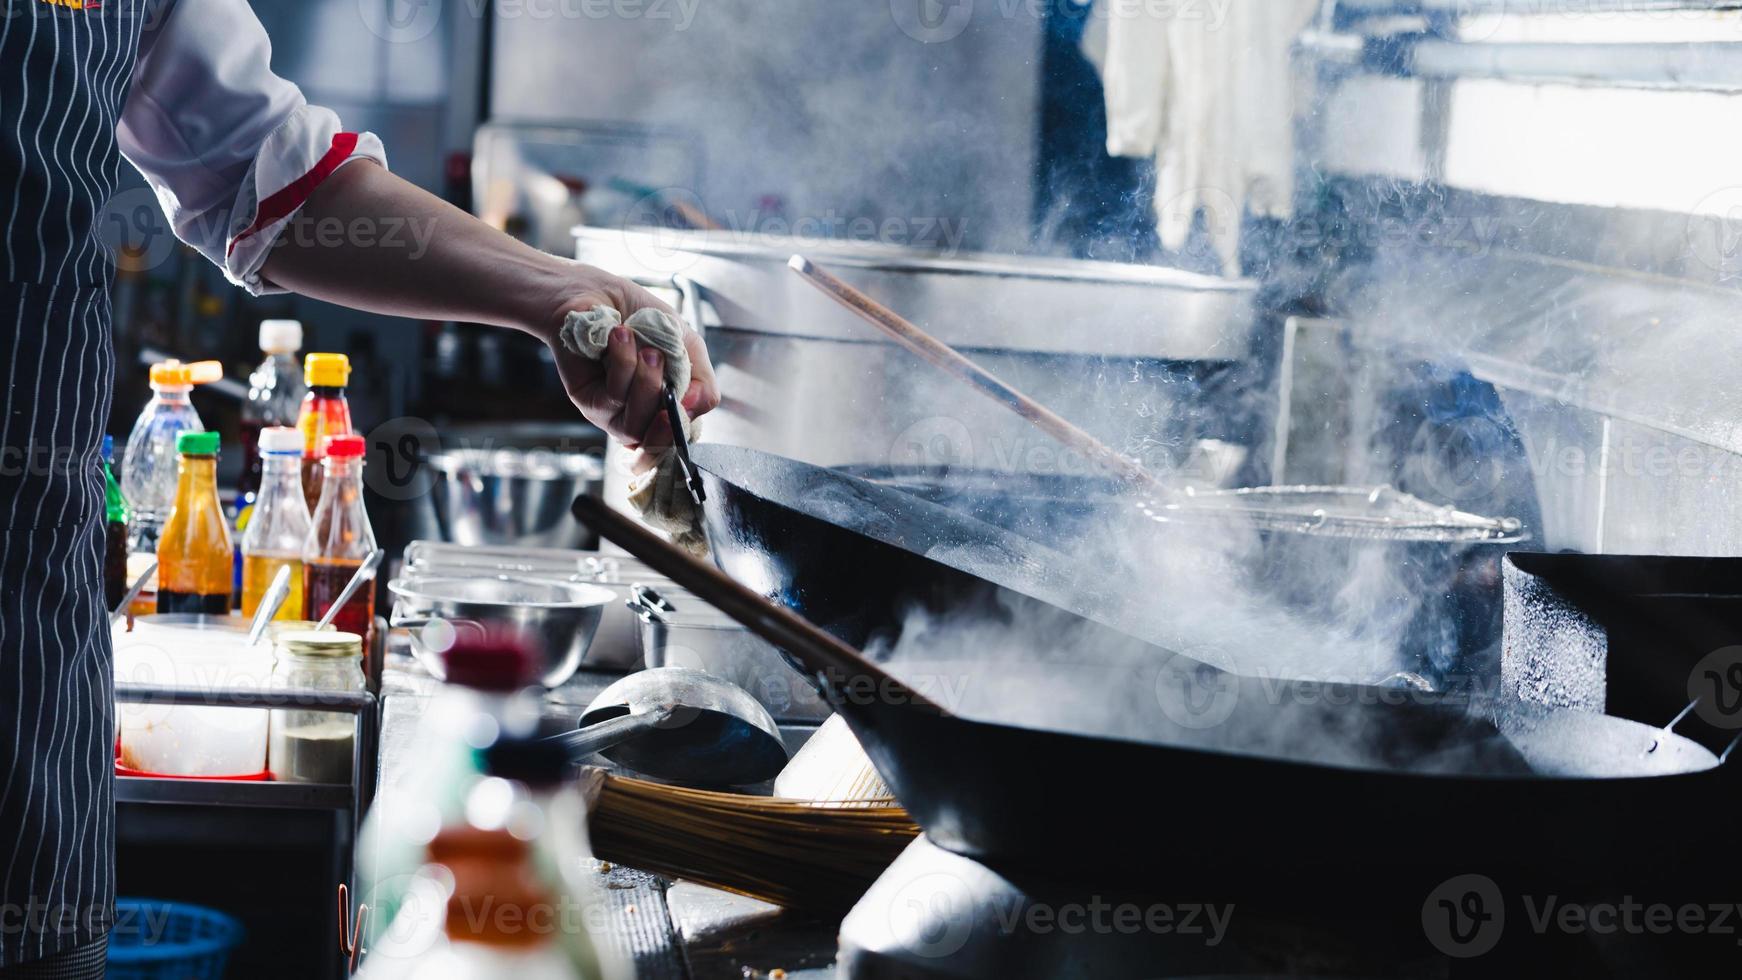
x=149, y=470
x=324, y=414
x=339, y=539
x=278, y=525
x=275, y=393
x=195, y=561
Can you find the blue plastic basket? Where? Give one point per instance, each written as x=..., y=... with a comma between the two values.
x=155, y=940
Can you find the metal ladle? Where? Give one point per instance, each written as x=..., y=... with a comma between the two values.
x=683, y=725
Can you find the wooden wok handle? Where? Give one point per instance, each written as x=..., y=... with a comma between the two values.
x=985, y=382
x=843, y=668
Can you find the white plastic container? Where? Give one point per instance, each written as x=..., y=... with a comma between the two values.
x=192, y=652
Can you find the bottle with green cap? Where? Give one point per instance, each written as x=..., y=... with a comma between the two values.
x=114, y=531
x=195, y=562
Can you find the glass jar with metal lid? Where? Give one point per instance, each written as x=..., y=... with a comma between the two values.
x=315, y=746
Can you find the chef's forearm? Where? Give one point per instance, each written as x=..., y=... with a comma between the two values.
x=370, y=240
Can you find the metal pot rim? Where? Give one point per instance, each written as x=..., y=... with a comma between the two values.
x=589, y=595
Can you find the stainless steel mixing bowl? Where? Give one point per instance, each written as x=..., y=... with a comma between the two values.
x=557, y=620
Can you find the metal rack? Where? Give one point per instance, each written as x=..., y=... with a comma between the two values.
x=242, y=793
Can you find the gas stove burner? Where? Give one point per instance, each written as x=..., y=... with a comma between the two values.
x=938, y=914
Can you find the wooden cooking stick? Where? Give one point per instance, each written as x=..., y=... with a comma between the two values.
x=944, y=356
x=820, y=652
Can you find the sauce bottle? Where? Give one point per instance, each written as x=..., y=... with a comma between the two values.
x=114, y=530
x=278, y=524
x=325, y=414
x=275, y=392
x=148, y=473
x=195, y=563
x=339, y=541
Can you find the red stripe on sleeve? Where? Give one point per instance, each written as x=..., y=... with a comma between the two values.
x=292, y=195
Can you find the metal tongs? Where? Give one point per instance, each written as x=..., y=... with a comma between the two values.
x=680, y=444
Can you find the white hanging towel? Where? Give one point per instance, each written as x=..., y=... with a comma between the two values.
x=1206, y=88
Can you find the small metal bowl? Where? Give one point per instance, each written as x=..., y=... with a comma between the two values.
x=557, y=620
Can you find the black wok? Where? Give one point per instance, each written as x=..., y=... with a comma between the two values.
x=1420, y=801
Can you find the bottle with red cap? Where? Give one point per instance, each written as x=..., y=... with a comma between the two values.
x=339, y=539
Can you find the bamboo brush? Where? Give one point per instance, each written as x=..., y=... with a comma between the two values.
x=795, y=853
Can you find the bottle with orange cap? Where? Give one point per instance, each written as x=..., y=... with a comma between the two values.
x=150, y=467
x=325, y=414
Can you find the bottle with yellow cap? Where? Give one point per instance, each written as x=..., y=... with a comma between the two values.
x=325, y=413
x=149, y=467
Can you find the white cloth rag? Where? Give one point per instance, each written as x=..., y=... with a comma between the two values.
x=1207, y=89
x=660, y=494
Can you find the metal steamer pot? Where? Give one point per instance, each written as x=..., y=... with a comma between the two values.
x=803, y=379
x=1367, y=558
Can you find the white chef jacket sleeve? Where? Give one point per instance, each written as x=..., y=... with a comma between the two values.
x=231, y=149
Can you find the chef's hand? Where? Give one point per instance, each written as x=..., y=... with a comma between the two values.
x=474, y=273
x=622, y=392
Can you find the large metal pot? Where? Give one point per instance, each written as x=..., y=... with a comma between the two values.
x=557, y=620
x=802, y=378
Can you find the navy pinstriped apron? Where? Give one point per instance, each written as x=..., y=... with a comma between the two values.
x=64, y=70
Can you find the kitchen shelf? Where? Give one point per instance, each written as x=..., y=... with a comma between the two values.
x=233, y=793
